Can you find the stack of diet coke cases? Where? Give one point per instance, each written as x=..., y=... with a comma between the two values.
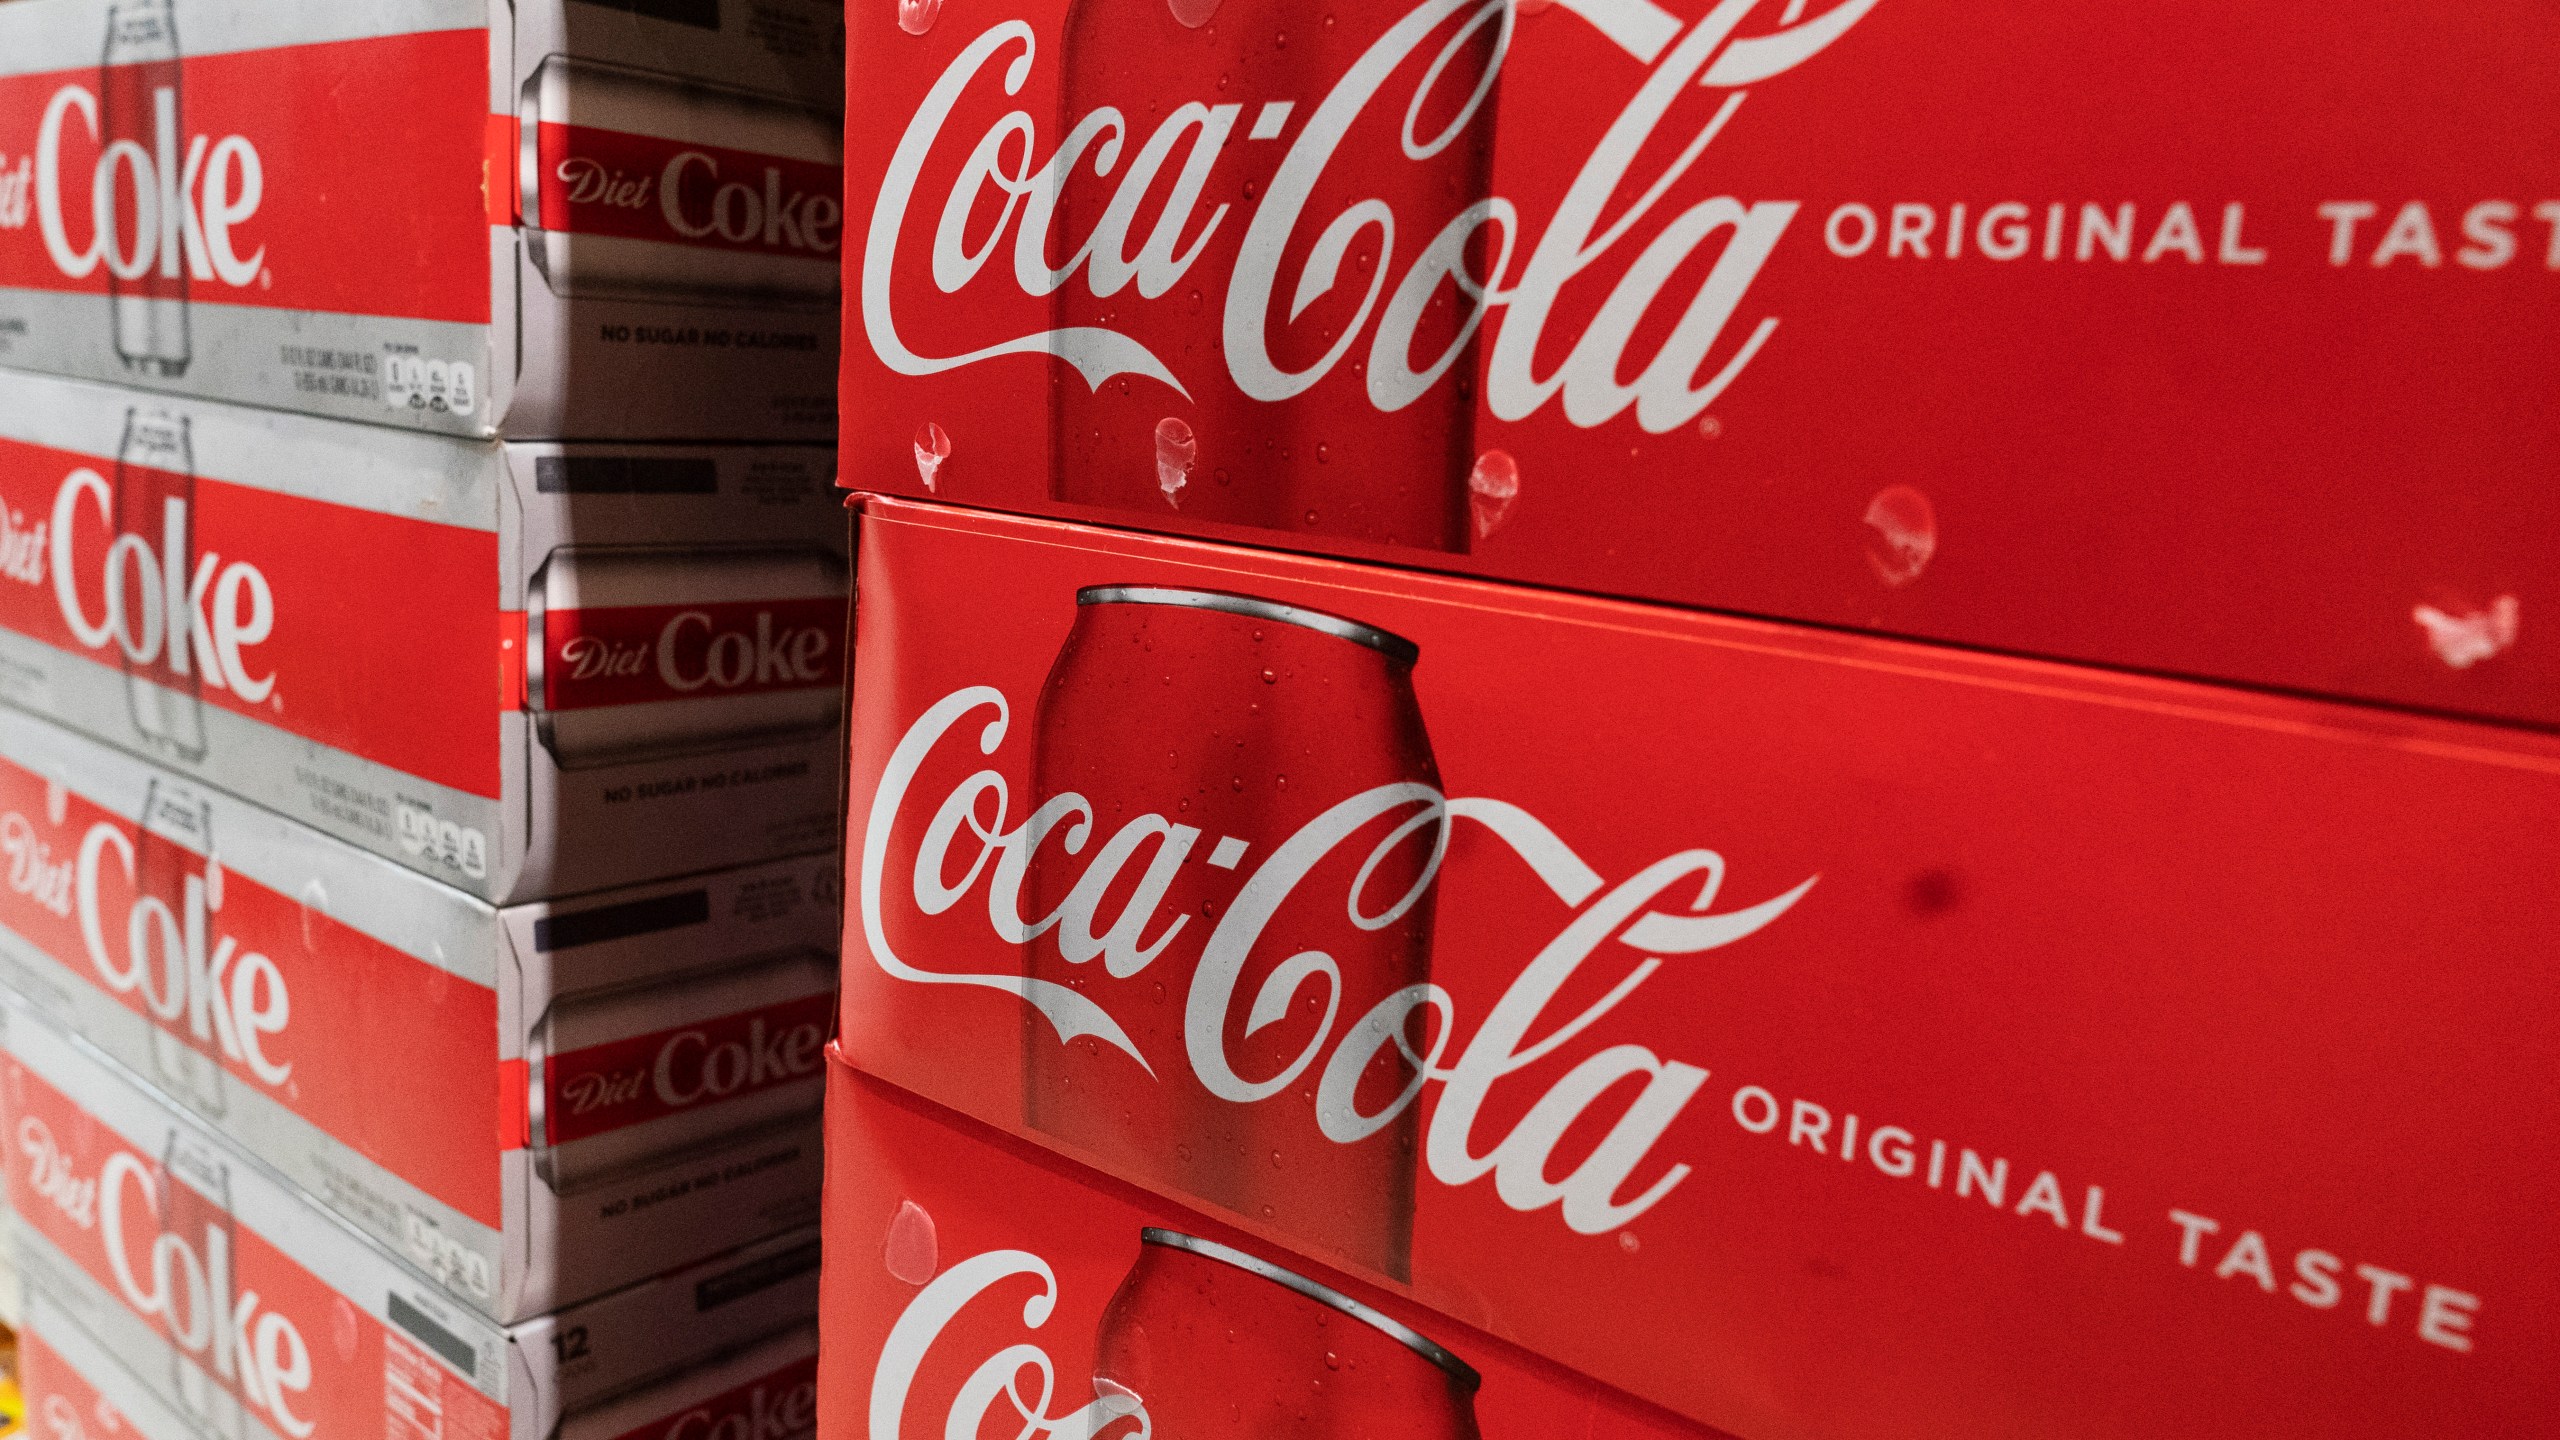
x=423, y=622
x=529, y=218
x=1344, y=938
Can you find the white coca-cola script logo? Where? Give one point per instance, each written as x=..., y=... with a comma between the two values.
x=999, y=1379
x=186, y=1283
x=33, y=870
x=1597, y=377
x=187, y=975
x=761, y=1414
x=50, y=1176
x=734, y=658
x=1455, y=1153
x=182, y=207
x=149, y=605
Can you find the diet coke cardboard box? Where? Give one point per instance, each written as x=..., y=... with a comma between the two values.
x=523, y=669
x=536, y=218
x=1820, y=1036
x=958, y=1259
x=534, y=1105
x=184, y=1284
x=2166, y=337
x=76, y=1390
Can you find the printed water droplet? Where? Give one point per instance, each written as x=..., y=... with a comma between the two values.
x=57, y=801
x=912, y=1249
x=1270, y=677
x=917, y=16
x=1177, y=449
x=1332, y=1361
x=315, y=913
x=1492, y=487
x=1115, y=1401
x=1905, y=534
x=1192, y=14
x=212, y=883
x=2465, y=637
x=933, y=448
x=1628, y=1242
x=1275, y=1159
x=1710, y=426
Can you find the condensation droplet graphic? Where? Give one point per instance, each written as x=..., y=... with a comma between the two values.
x=912, y=1251
x=315, y=914
x=57, y=801
x=2465, y=638
x=344, y=1331
x=1492, y=487
x=1177, y=450
x=213, y=882
x=1904, y=534
x=1194, y=13
x=933, y=450
x=917, y=16
x=1114, y=1401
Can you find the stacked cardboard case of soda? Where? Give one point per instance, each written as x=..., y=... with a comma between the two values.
x=1811, y=721
x=424, y=631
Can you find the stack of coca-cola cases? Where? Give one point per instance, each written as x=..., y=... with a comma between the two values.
x=422, y=620
x=1684, y=717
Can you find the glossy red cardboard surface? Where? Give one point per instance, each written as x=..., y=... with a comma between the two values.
x=1825, y=1036
x=2186, y=337
x=956, y=1258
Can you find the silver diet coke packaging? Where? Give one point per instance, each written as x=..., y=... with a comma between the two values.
x=524, y=669
x=177, y=1285
x=443, y=216
x=79, y=1391
x=532, y=1105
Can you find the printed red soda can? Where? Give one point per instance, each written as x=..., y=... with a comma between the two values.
x=1377, y=449
x=1216, y=1344
x=143, y=227
x=642, y=650
x=1263, y=772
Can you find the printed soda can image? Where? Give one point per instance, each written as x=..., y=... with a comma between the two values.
x=645, y=651
x=141, y=212
x=646, y=186
x=1218, y=1344
x=634, y=1075
x=149, y=612
x=1387, y=462
x=1266, y=716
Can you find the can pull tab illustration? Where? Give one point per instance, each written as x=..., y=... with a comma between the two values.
x=643, y=186
x=641, y=652
x=140, y=211
x=155, y=500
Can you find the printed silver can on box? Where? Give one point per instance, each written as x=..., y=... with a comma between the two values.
x=533, y=1105
x=524, y=669
x=448, y=215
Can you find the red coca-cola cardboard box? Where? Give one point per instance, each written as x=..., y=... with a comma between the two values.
x=1820, y=1036
x=975, y=1287
x=539, y=218
x=182, y=1285
x=534, y=1105
x=2183, y=337
x=526, y=670
x=75, y=1390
